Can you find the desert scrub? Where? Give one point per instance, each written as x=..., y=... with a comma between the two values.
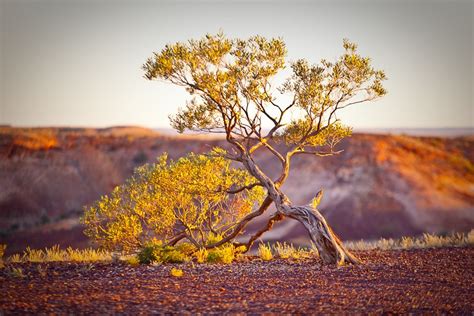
x=223, y=254
x=56, y=254
x=288, y=251
x=162, y=198
x=201, y=255
x=284, y=250
x=158, y=253
x=265, y=252
x=424, y=241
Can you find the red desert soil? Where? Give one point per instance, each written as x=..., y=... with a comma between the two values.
x=411, y=281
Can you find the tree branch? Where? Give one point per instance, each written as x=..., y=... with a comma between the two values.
x=247, y=187
x=243, y=222
x=275, y=218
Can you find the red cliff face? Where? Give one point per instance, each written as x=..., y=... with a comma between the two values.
x=380, y=186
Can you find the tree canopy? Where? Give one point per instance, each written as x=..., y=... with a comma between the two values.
x=232, y=84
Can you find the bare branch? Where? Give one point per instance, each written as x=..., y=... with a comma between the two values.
x=243, y=222
x=275, y=218
x=247, y=187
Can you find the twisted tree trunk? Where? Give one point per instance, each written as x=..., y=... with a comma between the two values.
x=330, y=248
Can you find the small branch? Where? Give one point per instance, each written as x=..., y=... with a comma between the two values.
x=275, y=218
x=176, y=239
x=241, y=225
x=247, y=187
x=319, y=153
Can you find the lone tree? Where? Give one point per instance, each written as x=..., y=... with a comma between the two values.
x=232, y=82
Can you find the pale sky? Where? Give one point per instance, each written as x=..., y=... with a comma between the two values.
x=78, y=63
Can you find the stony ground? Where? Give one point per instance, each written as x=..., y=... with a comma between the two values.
x=410, y=281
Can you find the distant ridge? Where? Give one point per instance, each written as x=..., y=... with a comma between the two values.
x=432, y=132
x=428, y=132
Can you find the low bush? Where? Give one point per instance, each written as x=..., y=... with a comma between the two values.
x=157, y=253
x=223, y=254
x=201, y=255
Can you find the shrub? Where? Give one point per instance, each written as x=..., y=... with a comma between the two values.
x=161, y=254
x=186, y=248
x=223, y=254
x=172, y=255
x=162, y=198
x=264, y=252
x=149, y=254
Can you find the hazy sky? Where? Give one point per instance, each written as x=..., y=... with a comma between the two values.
x=78, y=63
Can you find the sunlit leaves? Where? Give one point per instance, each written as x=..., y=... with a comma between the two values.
x=223, y=74
x=230, y=80
x=329, y=136
x=168, y=198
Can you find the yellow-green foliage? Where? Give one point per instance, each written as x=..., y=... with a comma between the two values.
x=201, y=255
x=15, y=258
x=166, y=198
x=175, y=272
x=286, y=251
x=265, y=252
x=157, y=253
x=56, y=254
x=223, y=254
x=227, y=76
x=130, y=259
x=425, y=241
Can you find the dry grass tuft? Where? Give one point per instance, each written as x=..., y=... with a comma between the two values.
x=55, y=254
x=288, y=251
x=265, y=252
x=425, y=241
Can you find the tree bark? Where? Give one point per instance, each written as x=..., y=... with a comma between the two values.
x=330, y=248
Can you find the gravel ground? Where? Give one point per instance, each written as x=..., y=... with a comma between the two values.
x=422, y=281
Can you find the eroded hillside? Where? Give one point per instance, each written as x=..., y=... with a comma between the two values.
x=380, y=186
